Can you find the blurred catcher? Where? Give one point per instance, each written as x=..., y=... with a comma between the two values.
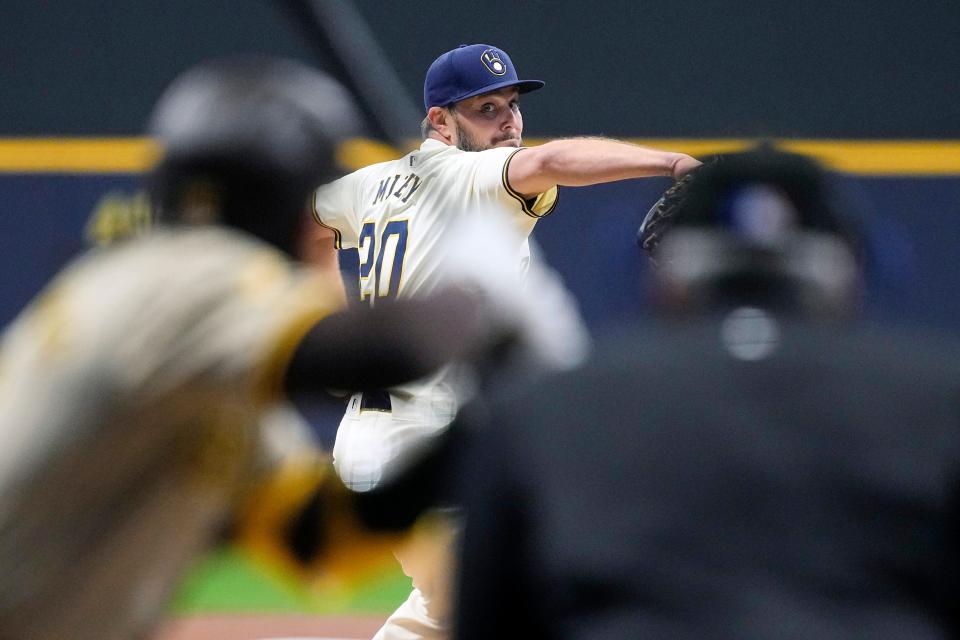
x=136, y=389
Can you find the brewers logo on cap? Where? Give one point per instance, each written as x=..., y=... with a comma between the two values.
x=493, y=63
x=455, y=75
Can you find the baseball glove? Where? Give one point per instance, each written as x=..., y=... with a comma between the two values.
x=675, y=199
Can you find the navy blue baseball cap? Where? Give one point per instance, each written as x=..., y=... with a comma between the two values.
x=469, y=70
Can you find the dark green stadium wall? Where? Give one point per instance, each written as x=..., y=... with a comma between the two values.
x=817, y=68
x=813, y=69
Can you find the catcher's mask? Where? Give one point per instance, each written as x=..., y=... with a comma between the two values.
x=755, y=228
x=245, y=141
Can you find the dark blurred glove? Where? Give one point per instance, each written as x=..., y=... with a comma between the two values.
x=659, y=216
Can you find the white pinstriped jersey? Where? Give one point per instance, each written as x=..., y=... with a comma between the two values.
x=396, y=214
x=174, y=327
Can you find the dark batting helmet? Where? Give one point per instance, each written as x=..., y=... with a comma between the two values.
x=245, y=141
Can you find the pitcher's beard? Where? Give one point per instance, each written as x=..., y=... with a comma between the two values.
x=466, y=142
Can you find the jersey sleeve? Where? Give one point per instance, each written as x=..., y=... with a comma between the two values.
x=335, y=207
x=491, y=183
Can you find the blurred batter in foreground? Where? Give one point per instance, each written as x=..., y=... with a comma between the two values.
x=135, y=389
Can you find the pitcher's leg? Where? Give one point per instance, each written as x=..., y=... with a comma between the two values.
x=428, y=558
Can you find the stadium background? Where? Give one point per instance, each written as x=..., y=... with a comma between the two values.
x=871, y=88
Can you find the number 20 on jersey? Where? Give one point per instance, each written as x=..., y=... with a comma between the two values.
x=381, y=259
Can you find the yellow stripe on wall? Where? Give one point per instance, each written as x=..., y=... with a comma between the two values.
x=77, y=155
x=868, y=157
x=135, y=155
x=878, y=157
